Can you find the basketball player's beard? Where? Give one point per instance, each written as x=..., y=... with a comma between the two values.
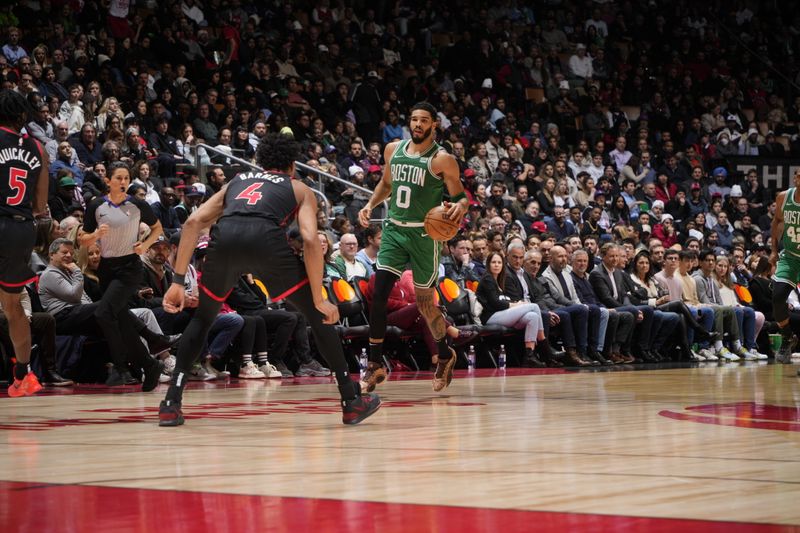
x=425, y=135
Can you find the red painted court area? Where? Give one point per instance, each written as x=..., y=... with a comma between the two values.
x=74, y=508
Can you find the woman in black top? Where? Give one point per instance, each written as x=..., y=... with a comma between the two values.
x=113, y=222
x=499, y=309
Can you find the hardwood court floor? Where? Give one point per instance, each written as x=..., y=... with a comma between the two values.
x=692, y=449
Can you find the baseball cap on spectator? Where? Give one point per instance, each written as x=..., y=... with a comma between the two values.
x=696, y=234
x=736, y=191
x=731, y=118
x=322, y=48
x=564, y=84
x=645, y=228
x=66, y=181
x=201, y=249
x=469, y=173
x=752, y=131
x=175, y=238
x=373, y=74
x=580, y=46
x=695, y=186
x=667, y=216
x=657, y=203
x=198, y=189
x=297, y=26
x=330, y=149
x=374, y=168
x=539, y=226
x=353, y=169
x=160, y=240
x=487, y=83
x=720, y=171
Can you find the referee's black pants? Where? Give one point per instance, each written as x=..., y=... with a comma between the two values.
x=120, y=278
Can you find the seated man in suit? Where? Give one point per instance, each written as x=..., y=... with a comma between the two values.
x=556, y=277
x=609, y=286
x=571, y=320
x=619, y=328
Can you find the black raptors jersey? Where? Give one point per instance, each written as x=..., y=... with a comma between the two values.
x=20, y=165
x=263, y=194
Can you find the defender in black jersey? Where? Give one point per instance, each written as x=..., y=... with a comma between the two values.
x=23, y=196
x=252, y=212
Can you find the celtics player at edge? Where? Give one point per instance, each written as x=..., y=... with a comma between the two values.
x=785, y=230
x=416, y=172
x=249, y=218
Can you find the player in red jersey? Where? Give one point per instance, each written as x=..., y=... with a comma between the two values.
x=23, y=197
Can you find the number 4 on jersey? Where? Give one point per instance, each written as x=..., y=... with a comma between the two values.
x=251, y=194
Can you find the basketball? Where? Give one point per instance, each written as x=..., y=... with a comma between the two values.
x=438, y=226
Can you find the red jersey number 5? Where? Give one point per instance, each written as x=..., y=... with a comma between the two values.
x=16, y=181
x=251, y=194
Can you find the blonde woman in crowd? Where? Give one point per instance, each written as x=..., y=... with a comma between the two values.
x=750, y=320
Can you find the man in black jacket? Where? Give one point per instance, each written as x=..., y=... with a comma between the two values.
x=619, y=327
x=609, y=286
x=167, y=148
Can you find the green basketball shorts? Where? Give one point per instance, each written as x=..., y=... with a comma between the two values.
x=402, y=246
x=788, y=269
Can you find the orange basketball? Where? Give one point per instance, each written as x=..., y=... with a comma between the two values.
x=438, y=226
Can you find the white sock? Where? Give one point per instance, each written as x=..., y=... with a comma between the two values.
x=737, y=345
x=717, y=346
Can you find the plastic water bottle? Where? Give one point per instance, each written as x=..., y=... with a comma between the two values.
x=501, y=357
x=362, y=361
x=471, y=359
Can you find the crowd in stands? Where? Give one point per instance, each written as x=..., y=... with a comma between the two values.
x=591, y=137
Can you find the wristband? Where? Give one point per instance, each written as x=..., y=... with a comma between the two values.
x=458, y=197
x=179, y=279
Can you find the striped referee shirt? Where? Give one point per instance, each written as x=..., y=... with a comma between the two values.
x=123, y=223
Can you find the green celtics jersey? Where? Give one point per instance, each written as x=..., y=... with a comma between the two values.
x=415, y=189
x=791, y=224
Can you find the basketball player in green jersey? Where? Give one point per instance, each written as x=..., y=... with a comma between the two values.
x=416, y=173
x=786, y=229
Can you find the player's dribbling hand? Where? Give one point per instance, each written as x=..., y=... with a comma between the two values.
x=363, y=216
x=330, y=311
x=173, y=299
x=455, y=211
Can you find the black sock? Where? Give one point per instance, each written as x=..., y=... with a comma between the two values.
x=348, y=389
x=444, y=349
x=376, y=352
x=20, y=370
x=176, y=386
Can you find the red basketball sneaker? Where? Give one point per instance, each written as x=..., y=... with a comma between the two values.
x=357, y=409
x=27, y=386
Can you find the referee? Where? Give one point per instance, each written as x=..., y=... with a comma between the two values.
x=113, y=222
